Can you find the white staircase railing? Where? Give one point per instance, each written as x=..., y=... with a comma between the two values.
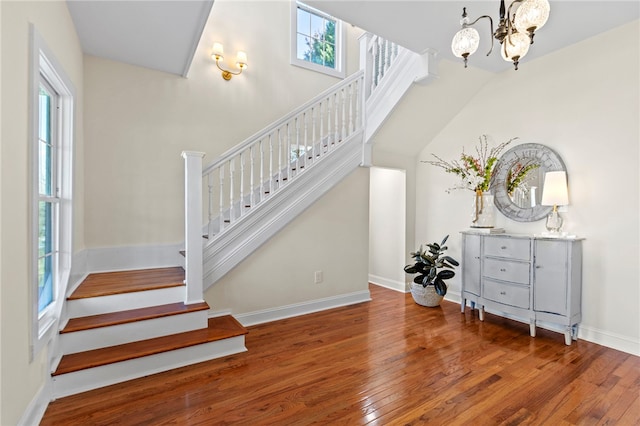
x=248, y=175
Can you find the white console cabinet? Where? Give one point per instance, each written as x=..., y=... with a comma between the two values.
x=533, y=278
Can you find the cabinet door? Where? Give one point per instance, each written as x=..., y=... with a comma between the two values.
x=471, y=264
x=550, y=277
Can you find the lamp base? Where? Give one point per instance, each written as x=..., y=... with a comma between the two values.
x=554, y=222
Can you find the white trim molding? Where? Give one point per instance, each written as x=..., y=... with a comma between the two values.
x=400, y=286
x=297, y=309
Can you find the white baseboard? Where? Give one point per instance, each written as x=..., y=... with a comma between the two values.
x=134, y=257
x=288, y=311
x=38, y=405
x=400, y=286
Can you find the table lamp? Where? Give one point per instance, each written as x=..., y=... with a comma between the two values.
x=554, y=193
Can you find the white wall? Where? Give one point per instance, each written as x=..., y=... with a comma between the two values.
x=583, y=102
x=22, y=379
x=387, y=227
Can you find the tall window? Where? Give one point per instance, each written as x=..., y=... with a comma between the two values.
x=317, y=41
x=48, y=193
x=51, y=146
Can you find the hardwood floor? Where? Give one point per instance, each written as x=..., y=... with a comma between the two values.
x=385, y=362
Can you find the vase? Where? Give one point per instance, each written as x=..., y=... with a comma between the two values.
x=483, y=210
x=425, y=296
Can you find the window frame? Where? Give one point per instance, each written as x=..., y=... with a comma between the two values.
x=44, y=66
x=340, y=68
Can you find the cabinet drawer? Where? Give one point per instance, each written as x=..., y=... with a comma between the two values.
x=513, y=248
x=507, y=270
x=506, y=294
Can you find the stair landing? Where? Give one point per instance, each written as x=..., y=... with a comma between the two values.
x=110, y=283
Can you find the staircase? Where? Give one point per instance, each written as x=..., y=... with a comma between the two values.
x=125, y=325
x=255, y=189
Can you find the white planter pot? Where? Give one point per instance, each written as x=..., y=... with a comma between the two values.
x=425, y=296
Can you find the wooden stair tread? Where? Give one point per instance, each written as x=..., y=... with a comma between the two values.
x=219, y=328
x=133, y=315
x=110, y=283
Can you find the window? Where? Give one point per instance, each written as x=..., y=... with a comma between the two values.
x=317, y=42
x=48, y=193
x=51, y=145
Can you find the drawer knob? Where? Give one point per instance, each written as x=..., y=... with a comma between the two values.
x=538, y=266
x=504, y=293
x=503, y=270
x=503, y=247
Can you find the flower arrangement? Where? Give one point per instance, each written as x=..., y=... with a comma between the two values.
x=475, y=172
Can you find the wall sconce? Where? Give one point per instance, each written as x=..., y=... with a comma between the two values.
x=218, y=55
x=554, y=193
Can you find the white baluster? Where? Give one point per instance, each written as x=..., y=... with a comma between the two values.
x=211, y=205
x=268, y=187
x=343, y=132
x=321, y=141
x=232, y=172
x=336, y=107
x=221, y=213
x=351, y=98
x=387, y=56
x=251, y=179
x=313, y=134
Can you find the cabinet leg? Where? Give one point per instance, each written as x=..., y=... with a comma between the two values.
x=567, y=335
x=463, y=304
x=574, y=332
x=481, y=312
x=532, y=327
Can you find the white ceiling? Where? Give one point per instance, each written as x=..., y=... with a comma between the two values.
x=163, y=34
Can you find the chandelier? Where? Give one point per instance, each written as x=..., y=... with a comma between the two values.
x=515, y=31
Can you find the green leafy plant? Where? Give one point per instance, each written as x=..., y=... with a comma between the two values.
x=433, y=266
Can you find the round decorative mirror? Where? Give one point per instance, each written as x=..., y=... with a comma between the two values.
x=518, y=178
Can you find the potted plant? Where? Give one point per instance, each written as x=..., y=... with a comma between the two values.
x=432, y=267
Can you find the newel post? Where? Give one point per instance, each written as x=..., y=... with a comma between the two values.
x=193, y=225
x=366, y=62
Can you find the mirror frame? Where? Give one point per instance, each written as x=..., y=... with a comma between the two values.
x=548, y=160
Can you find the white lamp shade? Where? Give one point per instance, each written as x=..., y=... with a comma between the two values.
x=532, y=15
x=515, y=46
x=465, y=41
x=218, y=50
x=554, y=191
x=241, y=59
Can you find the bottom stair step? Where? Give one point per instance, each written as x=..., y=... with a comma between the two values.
x=88, y=370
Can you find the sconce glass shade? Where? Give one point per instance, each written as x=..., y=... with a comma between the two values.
x=532, y=15
x=514, y=47
x=218, y=51
x=554, y=191
x=465, y=42
x=241, y=59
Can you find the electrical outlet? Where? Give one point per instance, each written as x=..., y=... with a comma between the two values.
x=317, y=277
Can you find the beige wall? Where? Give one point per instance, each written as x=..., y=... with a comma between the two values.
x=139, y=121
x=331, y=236
x=583, y=102
x=21, y=379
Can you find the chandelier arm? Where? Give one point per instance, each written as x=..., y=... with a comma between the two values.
x=510, y=16
x=490, y=27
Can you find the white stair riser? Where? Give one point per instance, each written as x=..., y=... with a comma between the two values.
x=93, y=378
x=124, y=302
x=102, y=337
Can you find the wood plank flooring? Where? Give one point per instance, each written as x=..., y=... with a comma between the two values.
x=386, y=362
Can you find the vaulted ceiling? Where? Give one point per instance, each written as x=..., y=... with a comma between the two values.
x=163, y=34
